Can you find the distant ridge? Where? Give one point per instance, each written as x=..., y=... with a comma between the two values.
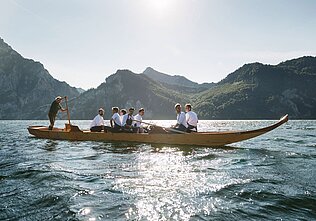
x=168, y=79
x=176, y=82
x=253, y=91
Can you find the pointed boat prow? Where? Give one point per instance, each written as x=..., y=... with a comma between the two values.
x=285, y=118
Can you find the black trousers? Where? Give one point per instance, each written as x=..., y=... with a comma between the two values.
x=191, y=128
x=52, y=117
x=181, y=127
x=115, y=129
x=96, y=128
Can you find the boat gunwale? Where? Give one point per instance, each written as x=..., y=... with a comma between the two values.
x=283, y=120
x=210, y=139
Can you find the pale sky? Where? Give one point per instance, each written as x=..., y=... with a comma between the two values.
x=84, y=41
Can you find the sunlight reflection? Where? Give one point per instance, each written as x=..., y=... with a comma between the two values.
x=84, y=211
x=169, y=185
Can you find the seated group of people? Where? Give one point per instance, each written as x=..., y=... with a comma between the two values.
x=121, y=121
x=187, y=121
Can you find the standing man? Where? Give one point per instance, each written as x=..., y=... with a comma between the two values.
x=97, y=125
x=181, y=119
x=191, y=118
x=54, y=108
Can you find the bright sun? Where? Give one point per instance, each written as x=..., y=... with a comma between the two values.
x=160, y=7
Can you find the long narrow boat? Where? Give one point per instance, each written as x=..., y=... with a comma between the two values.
x=207, y=139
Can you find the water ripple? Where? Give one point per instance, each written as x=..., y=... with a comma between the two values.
x=267, y=178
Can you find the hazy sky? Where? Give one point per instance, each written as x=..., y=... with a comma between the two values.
x=84, y=41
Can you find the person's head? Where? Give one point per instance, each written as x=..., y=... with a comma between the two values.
x=131, y=110
x=58, y=99
x=123, y=111
x=101, y=111
x=188, y=107
x=115, y=110
x=141, y=111
x=177, y=107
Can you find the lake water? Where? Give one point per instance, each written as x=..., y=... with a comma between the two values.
x=271, y=177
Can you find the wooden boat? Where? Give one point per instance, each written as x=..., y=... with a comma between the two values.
x=207, y=139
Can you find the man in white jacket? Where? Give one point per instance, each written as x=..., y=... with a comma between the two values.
x=181, y=119
x=138, y=118
x=97, y=125
x=191, y=118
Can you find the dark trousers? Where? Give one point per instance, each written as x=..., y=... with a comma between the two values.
x=52, y=117
x=181, y=127
x=96, y=128
x=116, y=129
x=192, y=128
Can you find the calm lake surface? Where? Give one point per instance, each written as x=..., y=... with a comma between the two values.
x=271, y=177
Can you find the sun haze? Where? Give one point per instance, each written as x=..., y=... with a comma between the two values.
x=83, y=42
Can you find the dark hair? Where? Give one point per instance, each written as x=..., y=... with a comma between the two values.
x=123, y=111
x=140, y=110
x=177, y=105
x=116, y=109
x=189, y=106
x=131, y=108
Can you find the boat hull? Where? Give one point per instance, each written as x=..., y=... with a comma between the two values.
x=211, y=139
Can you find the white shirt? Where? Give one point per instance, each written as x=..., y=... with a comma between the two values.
x=181, y=119
x=117, y=119
x=97, y=121
x=138, y=118
x=191, y=118
x=123, y=119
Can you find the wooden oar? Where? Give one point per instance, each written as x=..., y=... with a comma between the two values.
x=68, y=115
x=167, y=129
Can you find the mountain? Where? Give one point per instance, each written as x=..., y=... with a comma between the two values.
x=254, y=91
x=80, y=90
x=176, y=82
x=126, y=89
x=263, y=91
x=26, y=87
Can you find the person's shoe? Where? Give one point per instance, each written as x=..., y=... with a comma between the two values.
x=50, y=128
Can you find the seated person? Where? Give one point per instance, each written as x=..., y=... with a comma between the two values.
x=191, y=118
x=130, y=118
x=138, y=121
x=181, y=119
x=115, y=121
x=97, y=125
x=123, y=117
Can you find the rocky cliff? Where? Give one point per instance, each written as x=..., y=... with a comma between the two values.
x=26, y=87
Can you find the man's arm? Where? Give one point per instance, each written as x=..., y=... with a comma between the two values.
x=187, y=117
x=181, y=118
x=60, y=107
